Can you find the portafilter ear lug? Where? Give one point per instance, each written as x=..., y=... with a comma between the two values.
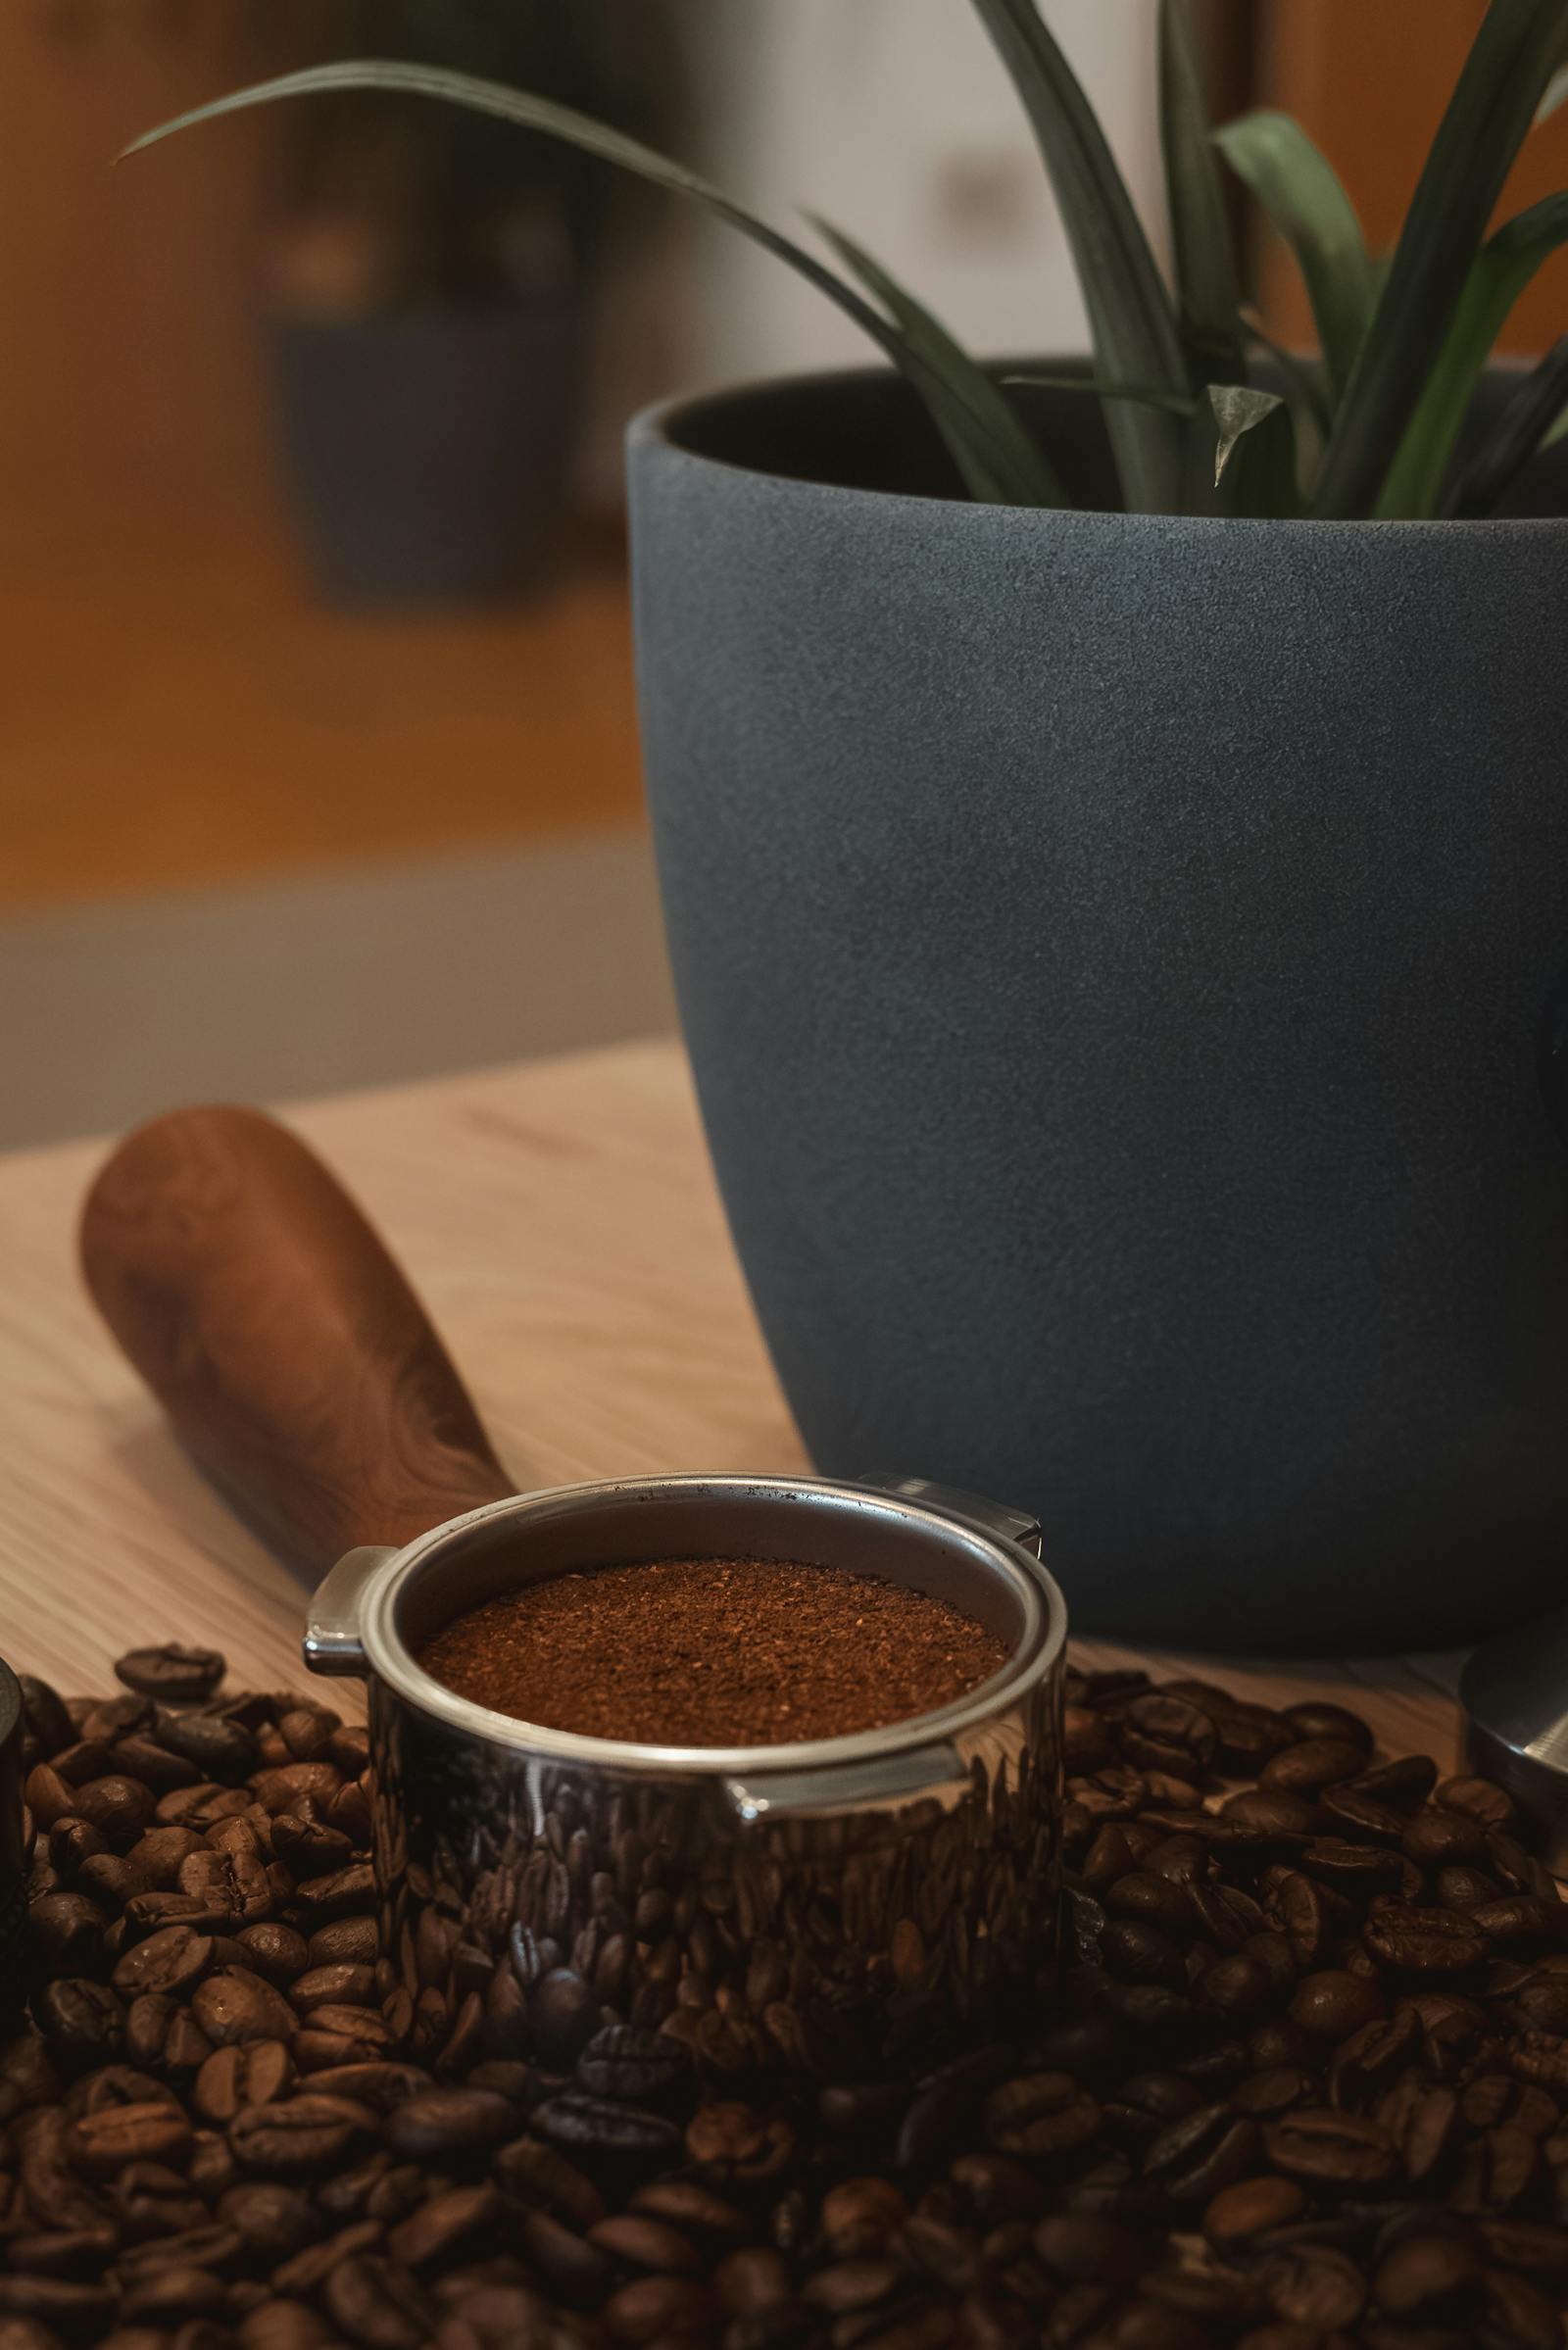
x=1514, y=1691
x=333, y=1641
x=877, y=1782
x=995, y=1518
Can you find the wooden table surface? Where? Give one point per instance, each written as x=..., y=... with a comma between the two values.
x=562, y=1224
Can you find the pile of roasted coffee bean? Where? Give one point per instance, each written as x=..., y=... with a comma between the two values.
x=1303, y=2082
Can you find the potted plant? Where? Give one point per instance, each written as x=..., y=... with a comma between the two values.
x=1115, y=843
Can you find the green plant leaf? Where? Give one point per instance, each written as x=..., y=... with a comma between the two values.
x=967, y=424
x=1525, y=421
x=1209, y=299
x=1303, y=195
x=1555, y=95
x=1130, y=313
x=1001, y=460
x=1498, y=277
x=1304, y=387
x=1147, y=395
x=1512, y=59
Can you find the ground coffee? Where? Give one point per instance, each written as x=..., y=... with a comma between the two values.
x=715, y=1652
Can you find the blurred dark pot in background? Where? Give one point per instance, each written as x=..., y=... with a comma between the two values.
x=427, y=450
x=1113, y=953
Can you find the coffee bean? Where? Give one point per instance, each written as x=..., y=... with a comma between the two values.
x=243, y=2074
x=377, y=2304
x=1328, y=2150
x=1193, y=2158
x=105, y=2140
x=298, y=2135
x=172, y=1961
x=1333, y=2004
x=1250, y=2035
x=1424, y=1942
x=1251, y=2208
x=443, y=2123
x=84, y=2022
x=656, y=2307
x=444, y=2223
x=1315, y=1763
x=1040, y=2115
x=176, y=1673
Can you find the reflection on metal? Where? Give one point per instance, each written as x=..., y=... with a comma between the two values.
x=840, y=1909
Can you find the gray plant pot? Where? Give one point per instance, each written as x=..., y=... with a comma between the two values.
x=426, y=451
x=1113, y=956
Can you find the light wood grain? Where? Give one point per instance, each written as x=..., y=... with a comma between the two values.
x=560, y=1223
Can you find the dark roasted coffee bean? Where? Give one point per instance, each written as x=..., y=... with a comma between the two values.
x=1425, y=1943
x=223, y=1749
x=377, y=2304
x=1441, y=1839
x=298, y=2135
x=1192, y=2159
x=84, y=2022
x=445, y=2122
x=633, y=2067
x=654, y=2308
x=68, y=1933
x=177, y=1674
x=238, y=2007
x=1316, y=1718
x=1331, y=2151
x=172, y=1961
x=1042, y=2114
x=1251, y=2208
x=275, y=2221
x=1271, y=1815
x=447, y=2222
x=1333, y=2004
x=1315, y=1763
x=105, y=2140
x=595, y=2126
x=244, y=2073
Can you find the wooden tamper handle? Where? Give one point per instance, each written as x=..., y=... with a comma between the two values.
x=298, y=1366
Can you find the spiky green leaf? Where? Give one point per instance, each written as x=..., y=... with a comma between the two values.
x=1514, y=54
x=1001, y=461
x=1130, y=313
x=1147, y=395
x=1209, y=299
x=1501, y=270
x=1520, y=429
x=1305, y=198
x=970, y=435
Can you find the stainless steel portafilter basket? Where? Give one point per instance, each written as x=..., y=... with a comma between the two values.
x=834, y=1907
x=830, y=1909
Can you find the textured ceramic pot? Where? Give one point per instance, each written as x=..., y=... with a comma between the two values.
x=1115, y=953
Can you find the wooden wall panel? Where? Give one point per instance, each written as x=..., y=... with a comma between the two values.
x=128, y=377
x=1370, y=79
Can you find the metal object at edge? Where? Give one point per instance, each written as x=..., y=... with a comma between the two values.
x=834, y=1907
x=1514, y=1691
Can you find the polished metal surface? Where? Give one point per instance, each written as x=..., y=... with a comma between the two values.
x=1514, y=1691
x=836, y=1906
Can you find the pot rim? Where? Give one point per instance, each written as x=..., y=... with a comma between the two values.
x=657, y=425
x=392, y=1664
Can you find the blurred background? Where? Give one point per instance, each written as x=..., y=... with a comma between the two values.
x=318, y=749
